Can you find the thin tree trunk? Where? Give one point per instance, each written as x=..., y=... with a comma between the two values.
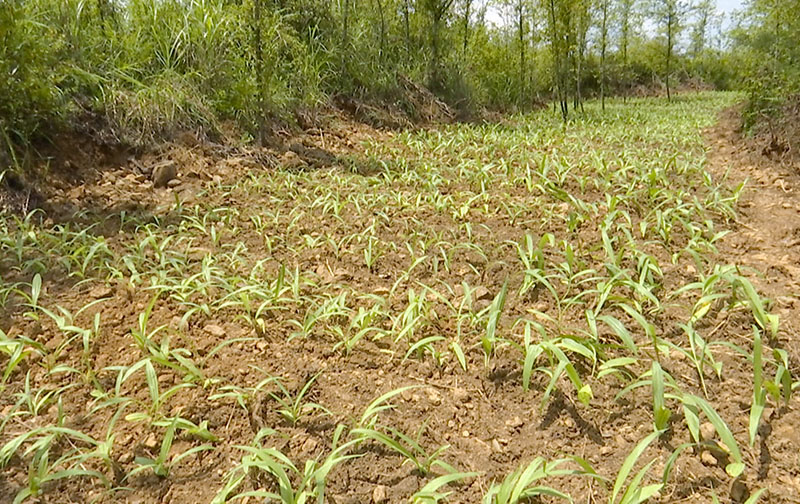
x=557, y=63
x=669, y=50
x=579, y=63
x=345, y=26
x=521, y=52
x=382, y=47
x=626, y=26
x=466, y=26
x=603, y=57
x=260, y=77
x=406, y=26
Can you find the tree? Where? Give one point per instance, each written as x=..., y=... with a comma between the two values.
x=582, y=17
x=704, y=10
x=626, y=13
x=559, y=24
x=603, y=44
x=668, y=13
x=438, y=11
x=467, y=12
x=521, y=12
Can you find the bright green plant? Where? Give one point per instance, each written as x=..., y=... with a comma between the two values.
x=521, y=485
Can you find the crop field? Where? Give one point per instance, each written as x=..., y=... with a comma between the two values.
x=502, y=313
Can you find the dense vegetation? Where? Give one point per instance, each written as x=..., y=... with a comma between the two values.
x=150, y=67
x=767, y=37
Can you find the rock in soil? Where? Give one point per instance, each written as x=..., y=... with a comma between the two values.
x=214, y=330
x=163, y=173
x=708, y=459
x=707, y=430
x=380, y=494
x=101, y=291
x=482, y=294
x=739, y=491
x=460, y=395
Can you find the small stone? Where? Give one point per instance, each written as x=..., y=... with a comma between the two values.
x=481, y=294
x=739, y=491
x=101, y=291
x=708, y=459
x=163, y=173
x=151, y=443
x=707, y=430
x=126, y=458
x=496, y=446
x=465, y=434
x=606, y=450
x=677, y=355
x=514, y=422
x=460, y=395
x=434, y=397
x=174, y=183
x=541, y=306
x=380, y=494
x=309, y=445
x=214, y=330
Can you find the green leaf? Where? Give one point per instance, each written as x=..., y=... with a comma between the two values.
x=630, y=462
x=585, y=394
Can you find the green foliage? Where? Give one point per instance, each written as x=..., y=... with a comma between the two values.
x=151, y=68
x=766, y=40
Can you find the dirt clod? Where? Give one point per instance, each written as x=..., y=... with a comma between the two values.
x=163, y=173
x=739, y=491
x=708, y=459
x=380, y=494
x=214, y=330
x=101, y=291
x=460, y=395
x=481, y=293
x=707, y=431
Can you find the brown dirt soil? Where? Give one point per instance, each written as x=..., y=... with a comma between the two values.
x=489, y=422
x=766, y=239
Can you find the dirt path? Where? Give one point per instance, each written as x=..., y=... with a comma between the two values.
x=766, y=238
